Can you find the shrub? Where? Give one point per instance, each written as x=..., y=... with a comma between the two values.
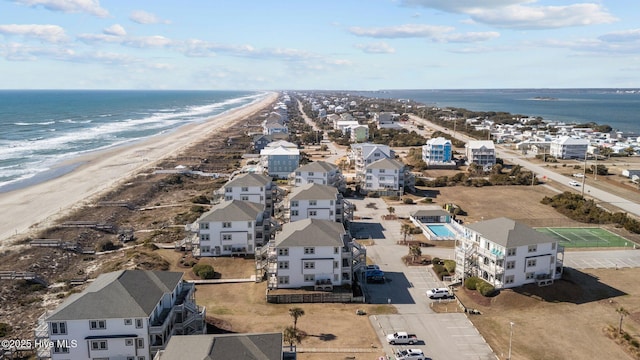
x=408, y=201
x=485, y=289
x=200, y=199
x=471, y=283
x=5, y=329
x=427, y=200
x=450, y=265
x=436, y=260
x=394, y=198
x=204, y=271
x=107, y=245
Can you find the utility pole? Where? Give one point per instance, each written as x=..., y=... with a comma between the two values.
x=584, y=173
x=510, y=338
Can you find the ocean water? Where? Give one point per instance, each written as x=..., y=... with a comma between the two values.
x=619, y=108
x=41, y=128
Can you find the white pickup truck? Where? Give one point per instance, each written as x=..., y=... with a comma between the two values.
x=401, y=337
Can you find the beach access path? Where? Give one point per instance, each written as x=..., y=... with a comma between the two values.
x=36, y=207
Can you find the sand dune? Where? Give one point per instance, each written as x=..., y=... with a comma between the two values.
x=37, y=206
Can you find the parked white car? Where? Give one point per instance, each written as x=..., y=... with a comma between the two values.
x=438, y=293
x=410, y=354
x=574, y=183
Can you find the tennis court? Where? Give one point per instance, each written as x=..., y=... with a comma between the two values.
x=586, y=237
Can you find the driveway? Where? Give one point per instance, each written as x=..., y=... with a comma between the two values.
x=444, y=336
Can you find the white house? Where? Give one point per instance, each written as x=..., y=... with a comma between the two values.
x=481, y=153
x=386, y=177
x=315, y=201
x=438, y=152
x=127, y=314
x=312, y=253
x=280, y=158
x=319, y=172
x=232, y=228
x=506, y=254
x=250, y=187
x=363, y=154
x=566, y=147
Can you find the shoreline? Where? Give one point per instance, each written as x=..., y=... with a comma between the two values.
x=37, y=206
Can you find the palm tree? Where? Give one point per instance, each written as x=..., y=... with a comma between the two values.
x=623, y=312
x=406, y=230
x=292, y=336
x=391, y=210
x=415, y=252
x=295, y=313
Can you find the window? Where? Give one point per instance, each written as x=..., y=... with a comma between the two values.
x=511, y=252
x=309, y=250
x=294, y=203
x=140, y=357
x=204, y=237
x=283, y=252
x=99, y=345
x=309, y=265
x=226, y=248
x=313, y=203
x=59, y=349
x=369, y=171
x=140, y=343
x=283, y=279
x=249, y=224
x=283, y=264
x=531, y=262
x=511, y=264
x=204, y=226
x=553, y=246
x=552, y=260
x=529, y=275
x=58, y=328
x=313, y=213
x=97, y=324
x=309, y=278
x=244, y=198
x=228, y=189
x=381, y=171
x=128, y=342
x=369, y=177
x=139, y=323
x=244, y=188
x=226, y=236
x=226, y=224
x=249, y=236
x=298, y=173
x=128, y=322
x=310, y=173
x=509, y=279
x=294, y=212
x=336, y=250
x=533, y=248
x=336, y=264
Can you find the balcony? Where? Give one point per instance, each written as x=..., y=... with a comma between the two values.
x=183, y=318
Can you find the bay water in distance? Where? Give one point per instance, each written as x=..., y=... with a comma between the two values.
x=41, y=128
x=619, y=108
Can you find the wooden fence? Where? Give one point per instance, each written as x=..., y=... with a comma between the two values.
x=314, y=298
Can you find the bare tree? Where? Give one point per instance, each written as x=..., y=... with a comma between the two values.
x=622, y=312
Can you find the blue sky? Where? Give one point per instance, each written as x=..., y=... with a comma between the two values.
x=330, y=44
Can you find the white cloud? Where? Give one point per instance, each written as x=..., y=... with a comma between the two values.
x=49, y=33
x=69, y=6
x=148, y=41
x=115, y=30
x=622, y=36
x=543, y=17
x=469, y=37
x=462, y=6
x=143, y=17
x=376, y=48
x=401, y=31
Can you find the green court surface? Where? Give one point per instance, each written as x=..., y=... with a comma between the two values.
x=586, y=237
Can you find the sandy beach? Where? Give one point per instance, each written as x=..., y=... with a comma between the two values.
x=36, y=207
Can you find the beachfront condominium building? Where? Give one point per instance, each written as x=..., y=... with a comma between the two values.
x=567, y=147
x=319, y=172
x=280, y=158
x=312, y=252
x=127, y=314
x=252, y=187
x=363, y=154
x=315, y=201
x=438, y=152
x=233, y=227
x=481, y=153
x=386, y=177
x=507, y=253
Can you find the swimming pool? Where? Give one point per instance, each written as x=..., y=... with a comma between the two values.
x=441, y=231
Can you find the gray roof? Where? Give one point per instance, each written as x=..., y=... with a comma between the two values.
x=232, y=210
x=386, y=163
x=310, y=232
x=321, y=166
x=430, y=212
x=119, y=294
x=509, y=233
x=314, y=192
x=267, y=346
x=249, y=179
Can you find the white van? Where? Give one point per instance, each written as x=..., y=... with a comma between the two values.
x=438, y=293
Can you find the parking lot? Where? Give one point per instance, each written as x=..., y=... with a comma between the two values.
x=444, y=336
